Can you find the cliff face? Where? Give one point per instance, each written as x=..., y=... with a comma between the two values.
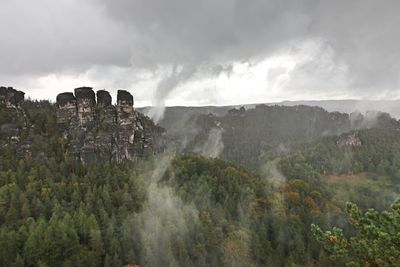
x=10, y=97
x=250, y=137
x=90, y=127
x=349, y=140
x=97, y=130
x=10, y=104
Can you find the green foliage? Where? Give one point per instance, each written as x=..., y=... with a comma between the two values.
x=367, y=174
x=206, y=182
x=253, y=135
x=265, y=225
x=202, y=212
x=41, y=115
x=56, y=212
x=376, y=241
x=59, y=212
x=378, y=152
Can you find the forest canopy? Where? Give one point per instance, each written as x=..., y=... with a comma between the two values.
x=191, y=210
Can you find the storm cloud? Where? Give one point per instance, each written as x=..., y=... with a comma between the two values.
x=241, y=51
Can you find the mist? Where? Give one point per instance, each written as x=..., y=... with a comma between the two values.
x=213, y=146
x=179, y=74
x=199, y=133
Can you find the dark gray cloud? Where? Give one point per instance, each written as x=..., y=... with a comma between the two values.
x=196, y=31
x=358, y=40
x=68, y=35
x=363, y=35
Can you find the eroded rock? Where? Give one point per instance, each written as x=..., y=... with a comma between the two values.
x=99, y=131
x=11, y=100
x=103, y=98
x=67, y=113
x=86, y=105
x=349, y=140
x=11, y=97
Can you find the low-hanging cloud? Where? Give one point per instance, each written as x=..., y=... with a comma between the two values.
x=164, y=220
x=214, y=144
x=179, y=74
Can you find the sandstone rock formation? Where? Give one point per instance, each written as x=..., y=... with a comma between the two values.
x=98, y=131
x=67, y=114
x=89, y=126
x=349, y=140
x=11, y=100
x=11, y=97
x=86, y=105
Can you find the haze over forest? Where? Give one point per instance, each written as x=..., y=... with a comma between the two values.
x=199, y=133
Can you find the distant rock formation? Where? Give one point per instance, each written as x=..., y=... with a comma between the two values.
x=349, y=140
x=11, y=97
x=11, y=101
x=91, y=128
x=97, y=130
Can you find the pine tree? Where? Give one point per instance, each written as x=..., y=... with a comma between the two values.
x=376, y=242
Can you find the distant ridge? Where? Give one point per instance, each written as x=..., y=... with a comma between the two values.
x=345, y=106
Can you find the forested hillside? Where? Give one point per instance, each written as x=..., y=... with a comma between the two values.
x=202, y=212
x=178, y=133
x=250, y=137
x=191, y=210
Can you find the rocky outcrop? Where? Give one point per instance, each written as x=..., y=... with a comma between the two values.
x=67, y=114
x=103, y=99
x=349, y=140
x=10, y=97
x=130, y=128
x=11, y=100
x=86, y=106
x=98, y=131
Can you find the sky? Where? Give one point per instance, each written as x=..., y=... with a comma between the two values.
x=203, y=52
